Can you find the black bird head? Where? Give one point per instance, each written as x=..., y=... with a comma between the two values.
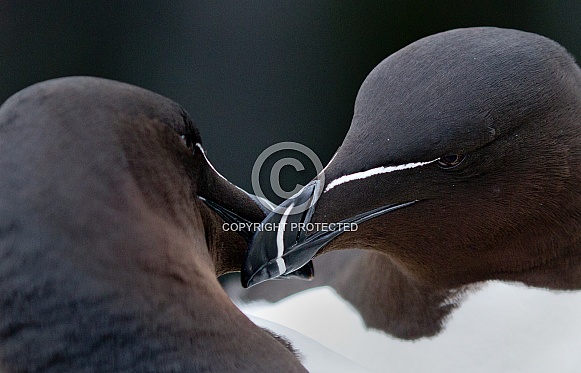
x=109, y=249
x=462, y=163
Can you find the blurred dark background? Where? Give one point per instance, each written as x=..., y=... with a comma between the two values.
x=250, y=73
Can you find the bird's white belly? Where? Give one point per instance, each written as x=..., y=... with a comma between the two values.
x=501, y=328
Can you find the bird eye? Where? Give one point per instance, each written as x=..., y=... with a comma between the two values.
x=186, y=141
x=451, y=161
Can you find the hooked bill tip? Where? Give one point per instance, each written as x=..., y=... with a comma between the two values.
x=266, y=272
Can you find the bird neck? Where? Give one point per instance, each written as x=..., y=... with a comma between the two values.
x=146, y=300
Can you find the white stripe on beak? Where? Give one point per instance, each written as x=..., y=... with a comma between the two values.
x=280, y=240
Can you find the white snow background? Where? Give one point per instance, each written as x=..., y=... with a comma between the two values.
x=500, y=328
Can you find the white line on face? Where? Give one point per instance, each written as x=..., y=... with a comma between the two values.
x=373, y=172
x=280, y=240
x=199, y=146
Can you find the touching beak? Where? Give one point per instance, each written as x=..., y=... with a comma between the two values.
x=229, y=202
x=306, y=272
x=282, y=246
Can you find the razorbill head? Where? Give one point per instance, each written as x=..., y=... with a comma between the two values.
x=462, y=164
x=111, y=237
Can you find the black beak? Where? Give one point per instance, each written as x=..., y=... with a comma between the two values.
x=231, y=217
x=306, y=272
x=224, y=198
x=282, y=246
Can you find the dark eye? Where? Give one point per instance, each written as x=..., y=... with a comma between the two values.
x=451, y=161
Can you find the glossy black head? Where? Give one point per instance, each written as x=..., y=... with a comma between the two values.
x=476, y=133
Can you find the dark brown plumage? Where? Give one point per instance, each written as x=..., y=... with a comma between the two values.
x=475, y=135
x=108, y=258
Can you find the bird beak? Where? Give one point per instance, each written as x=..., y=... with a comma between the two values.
x=230, y=217
x=229, y=202
x=282, y=245
x=306, y=272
